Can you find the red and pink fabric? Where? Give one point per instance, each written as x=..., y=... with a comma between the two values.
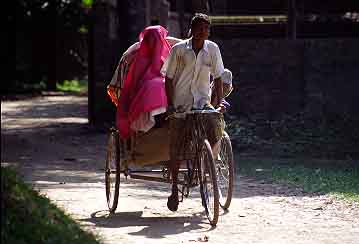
x=143, y=95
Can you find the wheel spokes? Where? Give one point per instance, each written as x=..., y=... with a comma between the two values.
x=207, y=185
x=224, y=172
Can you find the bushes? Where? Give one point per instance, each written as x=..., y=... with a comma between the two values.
x=51, y=44
x=27, y=217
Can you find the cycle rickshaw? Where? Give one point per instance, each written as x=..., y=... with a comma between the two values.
x=215, y=177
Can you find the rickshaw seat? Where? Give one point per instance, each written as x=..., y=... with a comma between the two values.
x=151, y=147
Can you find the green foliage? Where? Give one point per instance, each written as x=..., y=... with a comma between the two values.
x=87, y=3
x=72, y=86
x=68, y=14
x=27, y=217
x=340, y=181
x=51, y=42
x=83, y=29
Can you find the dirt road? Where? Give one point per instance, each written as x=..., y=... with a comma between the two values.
x=48, y=140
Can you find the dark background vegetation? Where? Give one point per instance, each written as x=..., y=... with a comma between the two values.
x=295, y=66
x=51, y=44
x=51, y=37
x=295, y=63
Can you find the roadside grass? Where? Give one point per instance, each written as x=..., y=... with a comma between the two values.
x=28, y=217
x=340, y=180
x=75, y=86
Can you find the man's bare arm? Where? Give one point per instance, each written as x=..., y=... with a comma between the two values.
x=218, y=86
x=169, y=91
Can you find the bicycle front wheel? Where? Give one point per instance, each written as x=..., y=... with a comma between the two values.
x=208, y=183
x=225, y=172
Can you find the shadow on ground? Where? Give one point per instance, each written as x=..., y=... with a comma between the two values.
x=153, y=227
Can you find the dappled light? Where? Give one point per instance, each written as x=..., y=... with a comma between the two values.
x=283, y=73
x=66, y=162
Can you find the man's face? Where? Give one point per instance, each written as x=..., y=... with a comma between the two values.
x=200, y=31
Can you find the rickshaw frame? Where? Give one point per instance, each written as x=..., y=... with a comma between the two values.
x=200, y=170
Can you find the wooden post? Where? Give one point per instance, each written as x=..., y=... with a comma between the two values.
x=103, y=55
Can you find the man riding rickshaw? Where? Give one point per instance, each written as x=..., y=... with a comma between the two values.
x=160, y=77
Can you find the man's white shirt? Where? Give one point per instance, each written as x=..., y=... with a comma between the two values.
x=191, y=73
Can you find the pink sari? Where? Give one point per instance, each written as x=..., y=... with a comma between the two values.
x=144, y=95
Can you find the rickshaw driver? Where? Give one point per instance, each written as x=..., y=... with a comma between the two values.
x=187, y=70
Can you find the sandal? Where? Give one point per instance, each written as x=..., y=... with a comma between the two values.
x=172, y=202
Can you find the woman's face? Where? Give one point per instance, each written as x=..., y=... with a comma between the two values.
x=200, y=31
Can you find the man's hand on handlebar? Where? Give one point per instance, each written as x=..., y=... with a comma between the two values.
x=221, y=108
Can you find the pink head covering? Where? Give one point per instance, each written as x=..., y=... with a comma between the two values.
x=147, y=63
x=154, y=37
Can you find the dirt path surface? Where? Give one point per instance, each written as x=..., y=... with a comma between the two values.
x=48, y=139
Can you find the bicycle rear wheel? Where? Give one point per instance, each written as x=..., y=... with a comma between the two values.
x=112, y=171
x=208, y=183
x=225, y=172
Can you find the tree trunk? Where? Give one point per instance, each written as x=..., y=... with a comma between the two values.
x=51, y=55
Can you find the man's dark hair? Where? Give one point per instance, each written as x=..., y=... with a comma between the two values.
x=199, y=17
